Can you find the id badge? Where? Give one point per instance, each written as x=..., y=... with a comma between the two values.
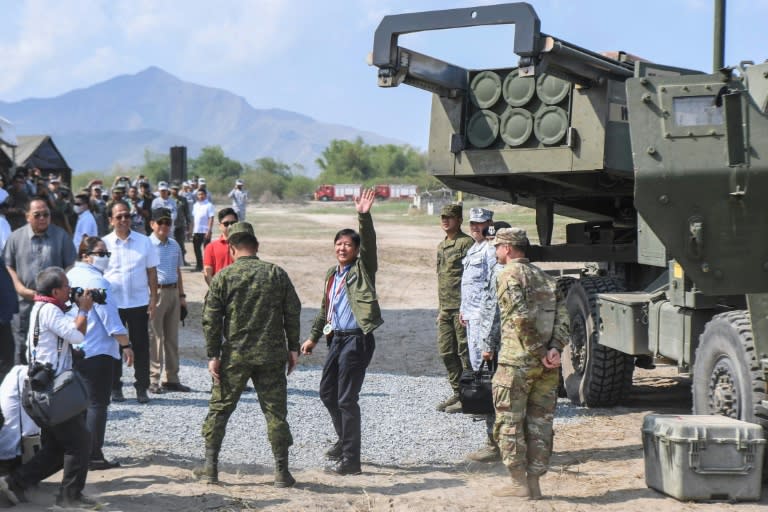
x=327, y=329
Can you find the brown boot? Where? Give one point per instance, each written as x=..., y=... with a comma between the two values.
x=533, y=487
x=518, y=488
x=488, y=453
x=209, y=471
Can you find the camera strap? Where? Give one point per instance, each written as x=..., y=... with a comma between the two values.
x=36, y=338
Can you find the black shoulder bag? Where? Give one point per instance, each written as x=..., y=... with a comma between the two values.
x=475, y=390
x=51, y=399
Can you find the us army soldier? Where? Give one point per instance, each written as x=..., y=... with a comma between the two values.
x=451, y=335
x=253, y=305
x=534, y=329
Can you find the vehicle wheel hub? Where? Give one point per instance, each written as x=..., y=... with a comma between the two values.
x=724, y=393
x=579, y=343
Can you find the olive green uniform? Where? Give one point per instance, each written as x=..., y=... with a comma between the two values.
x=533, y=320
x=451, y=335
x=252, y=305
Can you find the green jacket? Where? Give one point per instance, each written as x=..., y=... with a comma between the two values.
x=253, y=305
x=450, y=254
x=360, y=284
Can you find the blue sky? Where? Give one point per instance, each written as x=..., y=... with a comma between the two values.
x=309, y=56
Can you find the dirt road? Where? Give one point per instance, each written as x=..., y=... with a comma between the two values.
x=598, y=461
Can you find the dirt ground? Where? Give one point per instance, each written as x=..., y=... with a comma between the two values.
x=597, y=462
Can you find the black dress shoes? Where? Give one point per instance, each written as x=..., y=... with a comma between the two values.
x=344, y=467
x=334, y=452
x=102, y=464
x=176, y=386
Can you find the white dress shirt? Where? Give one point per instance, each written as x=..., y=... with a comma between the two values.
x=53, y=324
x=127, y=271
x=17, y=421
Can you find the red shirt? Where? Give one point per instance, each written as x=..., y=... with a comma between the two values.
x=217, y=255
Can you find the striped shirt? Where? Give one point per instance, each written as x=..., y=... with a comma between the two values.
x=341, y=311
x=169, y=254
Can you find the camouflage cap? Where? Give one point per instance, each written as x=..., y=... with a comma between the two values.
x=511, y=236
x=239, y=231
x=480, y=215
x=451, y=210
x=161, y=213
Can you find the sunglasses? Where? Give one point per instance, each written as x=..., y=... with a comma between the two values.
x=44, y=215
x=78, y=204
x=100, y=253
x=123, y=216
x=228, y=223
x=163, y=222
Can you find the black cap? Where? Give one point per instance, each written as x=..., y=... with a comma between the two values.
x=161, y=213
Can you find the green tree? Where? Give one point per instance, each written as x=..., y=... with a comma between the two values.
x=156, y=167
x=219, y=170
x=345, y=161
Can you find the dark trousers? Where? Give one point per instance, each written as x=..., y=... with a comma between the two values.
x=67, y=444
x=137, y=321
x=180, y=234
x=20, y=351
x=198, y=243
x=97, y=372
x=343, y=375
x=7, y=349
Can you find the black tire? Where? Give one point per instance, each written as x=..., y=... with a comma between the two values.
x=594, y=375
x=325, y=199
x=564, y=284
x=727, y=378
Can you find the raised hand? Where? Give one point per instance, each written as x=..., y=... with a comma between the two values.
x=365, y=201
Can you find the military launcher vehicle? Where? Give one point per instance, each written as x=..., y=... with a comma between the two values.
x=664, y=169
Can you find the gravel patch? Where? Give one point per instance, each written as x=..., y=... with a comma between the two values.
x=400, y=424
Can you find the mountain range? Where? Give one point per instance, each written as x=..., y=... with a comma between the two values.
x=113, y=122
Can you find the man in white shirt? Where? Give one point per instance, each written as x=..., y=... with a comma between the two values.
x=132, y=272
x=202, y=226
x=86, y=222
x=239, y=198
x=164, y=200
x=17, y=421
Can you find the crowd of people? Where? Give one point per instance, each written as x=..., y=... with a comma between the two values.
x=127, y=248
x=493, y=306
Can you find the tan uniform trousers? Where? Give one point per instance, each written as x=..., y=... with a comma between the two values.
x=164, y=337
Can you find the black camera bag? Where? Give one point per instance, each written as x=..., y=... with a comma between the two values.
x=475, y=389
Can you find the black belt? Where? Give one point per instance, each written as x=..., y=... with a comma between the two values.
x=172, y=285
x=351, y=332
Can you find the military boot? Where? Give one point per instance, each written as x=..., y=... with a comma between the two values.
x=283, y=477
x=488, y=453
x=533, y=487
x=518, y=488
x=448, y=402
x=209, y=471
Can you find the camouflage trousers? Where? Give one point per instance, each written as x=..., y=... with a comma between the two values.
x=452, y=345
x=525, y=400
x=271, y=388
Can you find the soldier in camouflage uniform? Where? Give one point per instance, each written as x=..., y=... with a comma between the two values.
x=484, y=328
x=252, y=305
x=534, y=329
x=451, y=335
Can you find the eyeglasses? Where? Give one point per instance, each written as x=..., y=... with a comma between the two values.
x=44, y=215
x=123, y=216
x=100, y=253
x=78, y=204
x=228, y=223
x=163, y=222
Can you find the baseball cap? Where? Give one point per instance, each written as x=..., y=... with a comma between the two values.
x=480, y=215
x=495, y=227
x=239, y=182
x=451, y=210
x=511, y=236
x=201, y=181
x=162, y=186
x=239, y=231
x=161, y=213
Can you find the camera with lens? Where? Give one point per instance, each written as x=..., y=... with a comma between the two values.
x=40, y=375
x=99, y=295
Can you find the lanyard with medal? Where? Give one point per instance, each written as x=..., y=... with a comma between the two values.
x=334, y=289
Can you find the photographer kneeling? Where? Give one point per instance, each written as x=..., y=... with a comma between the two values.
x=105, y=336
x=67, y=443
